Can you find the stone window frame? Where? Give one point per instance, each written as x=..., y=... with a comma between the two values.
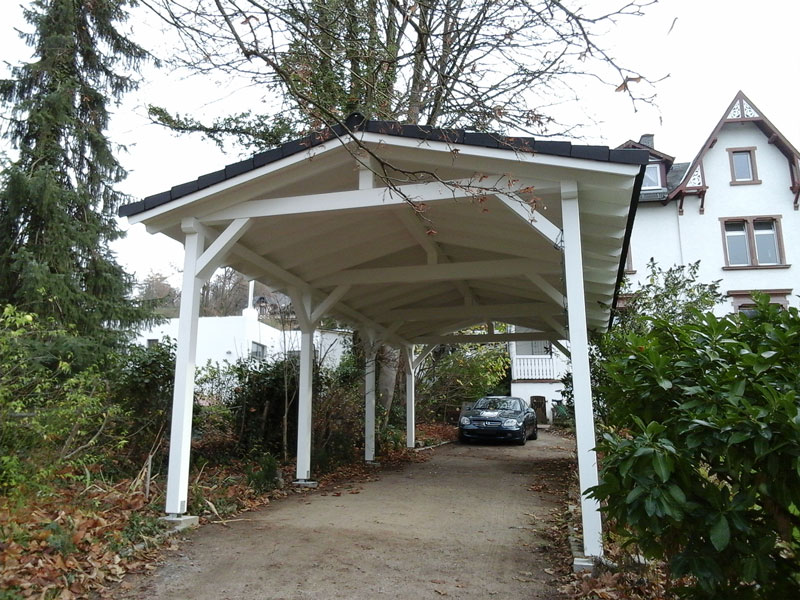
x=751, y=151
x=743, y=299
x=751, y=242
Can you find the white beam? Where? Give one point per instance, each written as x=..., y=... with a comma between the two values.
x=557, y=327
x=548, y=289
x=305, y=394
x=216, y=253
x=423, y=355
x=366, y=172
x=433, y=251
x=478, y=311
x=183, y=391
x=532, y=217
x=484, y=338
x=485, y=269
x=342, y=251
x=353, y=256
x=411, y=421
x=413, y=226
x=290, y=280
x=348, y=200
x=303, y=315
x=268, y=267
x=324, y=306
x=564, y=350
x=581, y=376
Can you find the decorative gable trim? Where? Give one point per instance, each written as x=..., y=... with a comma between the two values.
x=748, y=111
x=696, y=180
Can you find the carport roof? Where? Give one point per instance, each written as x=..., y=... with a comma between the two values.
x=310, y=215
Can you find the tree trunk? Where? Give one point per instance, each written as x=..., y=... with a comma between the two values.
x=387, y=378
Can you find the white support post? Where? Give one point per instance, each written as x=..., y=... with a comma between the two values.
x=306, y=389
x=581, y=381
x=183, y=394
x=369, y=400
x=411, y=420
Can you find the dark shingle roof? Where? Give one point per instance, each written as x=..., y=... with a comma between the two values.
x=675, y=175
x=357, y=122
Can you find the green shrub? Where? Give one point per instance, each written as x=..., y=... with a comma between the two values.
x=263, y=475
x=48, y=414
x=703, y=468
x=454, y=374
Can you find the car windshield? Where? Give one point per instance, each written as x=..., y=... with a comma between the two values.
x=497, y=404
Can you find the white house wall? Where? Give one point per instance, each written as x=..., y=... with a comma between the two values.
x=678, y=237
x=660, y=232
x=550, y=389
x=227, y=339
x=656, y=234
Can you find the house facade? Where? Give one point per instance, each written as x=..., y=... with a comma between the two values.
x=734, y=208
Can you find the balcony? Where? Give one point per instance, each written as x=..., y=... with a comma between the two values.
x=535, y=368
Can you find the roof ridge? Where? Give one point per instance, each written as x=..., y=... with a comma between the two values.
x=356, y=122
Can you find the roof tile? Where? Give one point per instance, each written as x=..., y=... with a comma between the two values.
x=423, y=132
x=238, y=168
x=591, y=152
x=630, y=157
x=210, y=178
x=553, y=148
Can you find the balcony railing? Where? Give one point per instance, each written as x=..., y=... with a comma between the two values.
x=534, y=367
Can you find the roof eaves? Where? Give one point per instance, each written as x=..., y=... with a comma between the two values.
x=357, y=122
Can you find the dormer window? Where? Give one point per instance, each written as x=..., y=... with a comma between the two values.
x=743, y=166
x=652, y=176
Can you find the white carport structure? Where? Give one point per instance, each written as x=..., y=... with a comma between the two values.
x=514, y=231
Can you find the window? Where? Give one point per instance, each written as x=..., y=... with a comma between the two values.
x=258, y=351
x=743, y=166
x=652, y=176
x=753, y=242
x=152, y=343
x=736, y=240
x=742, y=300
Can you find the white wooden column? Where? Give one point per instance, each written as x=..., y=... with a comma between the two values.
x=581, y=381
x=369, y=401
x=411, y=419
x=183, y=394
x=306, y=387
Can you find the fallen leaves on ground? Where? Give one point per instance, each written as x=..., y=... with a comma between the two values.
x=77, y=543
x=83, y=538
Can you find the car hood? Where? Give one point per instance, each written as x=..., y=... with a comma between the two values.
x=493, y=414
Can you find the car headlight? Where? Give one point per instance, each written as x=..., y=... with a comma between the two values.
x=510, y=423
x=464, y=420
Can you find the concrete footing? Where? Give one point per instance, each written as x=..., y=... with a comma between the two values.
x=179, y=522
x=305, y=483
x=582, y=564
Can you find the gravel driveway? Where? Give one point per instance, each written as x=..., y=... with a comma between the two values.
x=468, y=523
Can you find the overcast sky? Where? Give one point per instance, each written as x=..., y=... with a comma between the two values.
x=706, y=49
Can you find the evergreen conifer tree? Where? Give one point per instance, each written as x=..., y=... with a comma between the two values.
x=57, y=200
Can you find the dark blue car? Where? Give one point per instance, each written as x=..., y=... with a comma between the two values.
x=498, y=418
